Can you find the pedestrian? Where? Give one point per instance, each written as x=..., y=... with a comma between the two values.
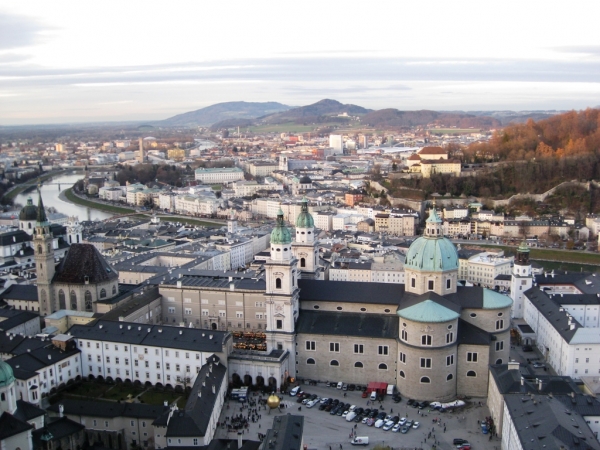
x=341, y=448
x=444, y=429
x=391, y=410
x=477, y=421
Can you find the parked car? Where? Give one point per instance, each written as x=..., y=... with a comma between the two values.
x=351, y=387
x=350, y=416
x=459, y=441
x=402, y=421
x=370, y=422
x=295, y=391
x=388, y=425
x=312, y=403
x=465, y=446
x=409, y=423
x=340, y=385
x=423, y=404
x=359, y=418
x=404, y=430
x=396, y=427
x=374, y=413
x=364, y=394
x=527, y=348
x=410, y=401
x=416, y=425
x=539, y=365
x=379, y=423
x=344, y=387
x=325, y=400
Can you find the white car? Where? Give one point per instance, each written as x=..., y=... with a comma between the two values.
x=379, y=423
x=312, y=403
x=396, y=427
x=323, y=400
x=402, y=421
x=352, y=408
x=351, y=416
x=365, y=419
x=388, y=425
x=345, y=413
x=416, y=425
x=294, y=391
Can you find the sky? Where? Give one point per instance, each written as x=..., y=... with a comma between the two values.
x=72, y=61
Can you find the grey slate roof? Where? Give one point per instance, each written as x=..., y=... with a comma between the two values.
x=286, y=433
x=194, y=339
x=11, y=426
x=470, y=334
x=194, y=419
x=347, y=324
x=520, y=382
x=26, y=411
x=20, y=292
x=59, y=428
x=108, y=409
x=350, y=292
x=14, y=318
x=549, y=308
x=81, y=261
x=13, y=237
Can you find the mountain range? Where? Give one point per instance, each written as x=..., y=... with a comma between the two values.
x=327, y=111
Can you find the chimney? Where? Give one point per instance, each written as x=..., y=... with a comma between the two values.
x=231, y=287
x=61, y=410
x=522, y=381
x=179, y=284
x=513, y=365
x=50, y=357
x=165, y=403
x=213, y=388
x=540, y=383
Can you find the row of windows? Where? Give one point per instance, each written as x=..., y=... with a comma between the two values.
x=336, y=363
x=470, y=373
x=339, y=308
x=135, y=350
x=430, y=284
x=358, y=348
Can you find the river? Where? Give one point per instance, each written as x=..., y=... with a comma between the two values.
x=50, y=196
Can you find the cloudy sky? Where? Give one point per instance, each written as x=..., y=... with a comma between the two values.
x=74, y=61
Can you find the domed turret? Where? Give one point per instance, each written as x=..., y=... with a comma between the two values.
x=280, y=234
x=29, y=211
x=429, y=256
x=305, y=219
x=6, y=374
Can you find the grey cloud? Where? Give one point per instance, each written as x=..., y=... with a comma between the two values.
x=19, y=31
x=358, y=72
x=302, y=90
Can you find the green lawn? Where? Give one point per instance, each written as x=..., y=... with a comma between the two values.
x=90, y=389
x=121, y=391
x=153, y=397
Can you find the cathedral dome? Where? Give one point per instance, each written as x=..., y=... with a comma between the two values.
x=432, y=252
x=280, y=234
x=6, y=374
x=29, y=211
x=305, y=219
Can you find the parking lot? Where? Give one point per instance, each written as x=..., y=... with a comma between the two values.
x=323, y=431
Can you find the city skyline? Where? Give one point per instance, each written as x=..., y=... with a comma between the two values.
x=111, y=62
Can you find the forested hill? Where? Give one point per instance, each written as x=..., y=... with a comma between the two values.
x=569, y=134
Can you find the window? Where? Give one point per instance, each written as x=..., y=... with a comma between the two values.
x=448, y=283
x=425, y=363
x=426, y=339
x=402, y=358
x=449, y=360
x=102, y=293
x=499, y=346
x=402, y=374
x=383, y=350
x=404, y=335
x=471, y=373
x=473, y=315
x=425, y=380
x=413, y=282
x=302, y=262
x=499, y=324
x=334, y=347
x=279, y=324
x=471, y=357
x=358, y=364
x=73, y=298
x=449, y=377
x=358, y=348
x=311, y=345
x=278, y=283
x=449, y=338
x=310, y=361
x=188, y=311
x=171, y=310
x=334, y=362
x=382, y=366
x=430, y=285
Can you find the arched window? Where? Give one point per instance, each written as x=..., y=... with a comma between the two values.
x=43, y=295
x=29, y=225
x=73, y=298
x=425, y=380
x=62, y=304
x=114, y=290
x=449, y=377
x=358, y=364
x=499, y=361
x=88, y=301
x=310, y=361
x=334, y=362
x=402, y=374
x=302, y=262
x=102, y=293
x=39, y=249
x=382, y=366
x=471, y=373
x=278, y=283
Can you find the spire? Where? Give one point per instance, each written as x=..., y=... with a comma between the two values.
x=433, y=216
x=304, y=204
x=41, y=213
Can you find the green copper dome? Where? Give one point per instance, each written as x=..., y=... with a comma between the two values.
x=523, y=247
x=305, y=220
x=428, y=311
x=280, y=234
x=6, y=374
x=29, y=211
x=432, y=254
x=495, y=300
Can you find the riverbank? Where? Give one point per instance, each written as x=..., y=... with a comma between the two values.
x=18, y=188
x=69, y=196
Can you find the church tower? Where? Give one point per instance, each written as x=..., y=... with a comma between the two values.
x=283, y=163
x=281, y=293
x=521, y=280
x=74, y=230
x=304, y=247
x=44, y=261
x=232, y=225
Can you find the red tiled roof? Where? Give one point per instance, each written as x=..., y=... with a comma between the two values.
x=432, y=151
